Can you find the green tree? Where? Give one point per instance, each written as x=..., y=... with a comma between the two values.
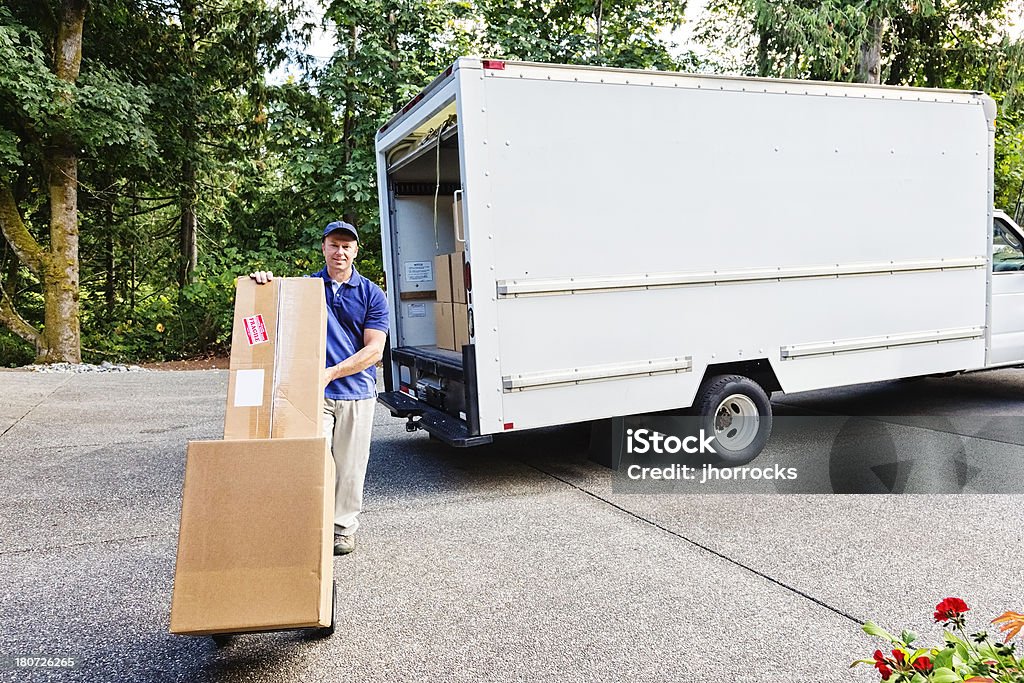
x=54, y=104
x=623, y=33
x=893, y=41
x=321, y=161
x=898, y=42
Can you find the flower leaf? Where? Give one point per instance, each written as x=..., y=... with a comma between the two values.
x=873, y=629
x=952, y=639
x=918, y=653
x=944, y=659
x=945, y=675
x=908, y=637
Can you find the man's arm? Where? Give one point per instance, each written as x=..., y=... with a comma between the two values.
x=370, y=354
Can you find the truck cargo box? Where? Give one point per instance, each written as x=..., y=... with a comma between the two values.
x=630, y=236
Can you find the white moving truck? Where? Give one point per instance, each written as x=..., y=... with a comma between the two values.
x=641, y=241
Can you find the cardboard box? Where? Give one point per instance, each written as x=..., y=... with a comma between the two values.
x=460, y=228
x=278, y=352
x=444, y=325
x=461, y=314
x=255, y=544
x=458, y=270
x=443, y=278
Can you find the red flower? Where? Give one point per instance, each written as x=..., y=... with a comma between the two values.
x=950, y=609
x=882, y=664
x=923, y=664
x=900, y=657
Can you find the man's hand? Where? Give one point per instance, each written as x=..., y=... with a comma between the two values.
x=262, y=277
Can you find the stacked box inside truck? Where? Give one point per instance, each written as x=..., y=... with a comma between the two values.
x=450, y=310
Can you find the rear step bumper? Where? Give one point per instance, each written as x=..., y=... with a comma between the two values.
x=448, y=429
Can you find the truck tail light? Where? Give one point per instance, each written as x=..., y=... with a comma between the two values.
x=412, y=103
x=496, y=64
x=467, y=275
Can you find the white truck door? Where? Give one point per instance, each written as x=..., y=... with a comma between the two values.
x=1007, y=292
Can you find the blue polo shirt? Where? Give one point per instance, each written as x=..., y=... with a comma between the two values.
x=358, y=305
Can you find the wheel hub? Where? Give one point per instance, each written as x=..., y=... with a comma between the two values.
x=736, y=422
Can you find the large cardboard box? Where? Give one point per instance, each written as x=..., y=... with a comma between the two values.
x=461, y=315
x=458, y=270
x=443, y=278
x=444, y=325
x=255, y=544
x=278, y=352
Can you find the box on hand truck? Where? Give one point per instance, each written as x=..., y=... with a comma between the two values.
x=257, y=517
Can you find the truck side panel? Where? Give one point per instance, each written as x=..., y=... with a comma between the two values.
x=587, y=191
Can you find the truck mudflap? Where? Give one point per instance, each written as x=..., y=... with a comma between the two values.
x=437, y=423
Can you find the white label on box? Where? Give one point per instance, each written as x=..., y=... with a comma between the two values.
x=419, y=271
x=248, y=388
x=416, y=310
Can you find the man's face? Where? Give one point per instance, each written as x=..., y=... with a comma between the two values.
x=340, y=252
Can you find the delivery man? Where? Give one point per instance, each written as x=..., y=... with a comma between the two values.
x=357, y=327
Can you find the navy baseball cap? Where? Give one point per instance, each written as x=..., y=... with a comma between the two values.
x=343, y=226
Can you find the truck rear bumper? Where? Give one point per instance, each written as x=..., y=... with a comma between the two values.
x=448, y=429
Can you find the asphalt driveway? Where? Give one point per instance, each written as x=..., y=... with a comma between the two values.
x=522, y=560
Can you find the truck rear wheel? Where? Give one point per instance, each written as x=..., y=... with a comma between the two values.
x=736, y=410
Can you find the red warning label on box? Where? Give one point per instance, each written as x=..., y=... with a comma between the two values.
x=255, y=330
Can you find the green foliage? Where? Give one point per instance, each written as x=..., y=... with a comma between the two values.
x=174, y=109
x=103, y=109
x=172, y=323
x=14, y=351
x=622, y=33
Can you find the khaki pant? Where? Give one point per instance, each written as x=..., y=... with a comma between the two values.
x=348, y=425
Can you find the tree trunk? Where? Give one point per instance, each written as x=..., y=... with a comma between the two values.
x=348, y=144
x=869, y=65
x=763, y=67
x=188, y=248
x=187, y=234
x=60, y=276
x=129, y=294
x=110, y=281
x=28, y=252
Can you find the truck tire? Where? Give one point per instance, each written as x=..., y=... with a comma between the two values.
x=737, y=411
